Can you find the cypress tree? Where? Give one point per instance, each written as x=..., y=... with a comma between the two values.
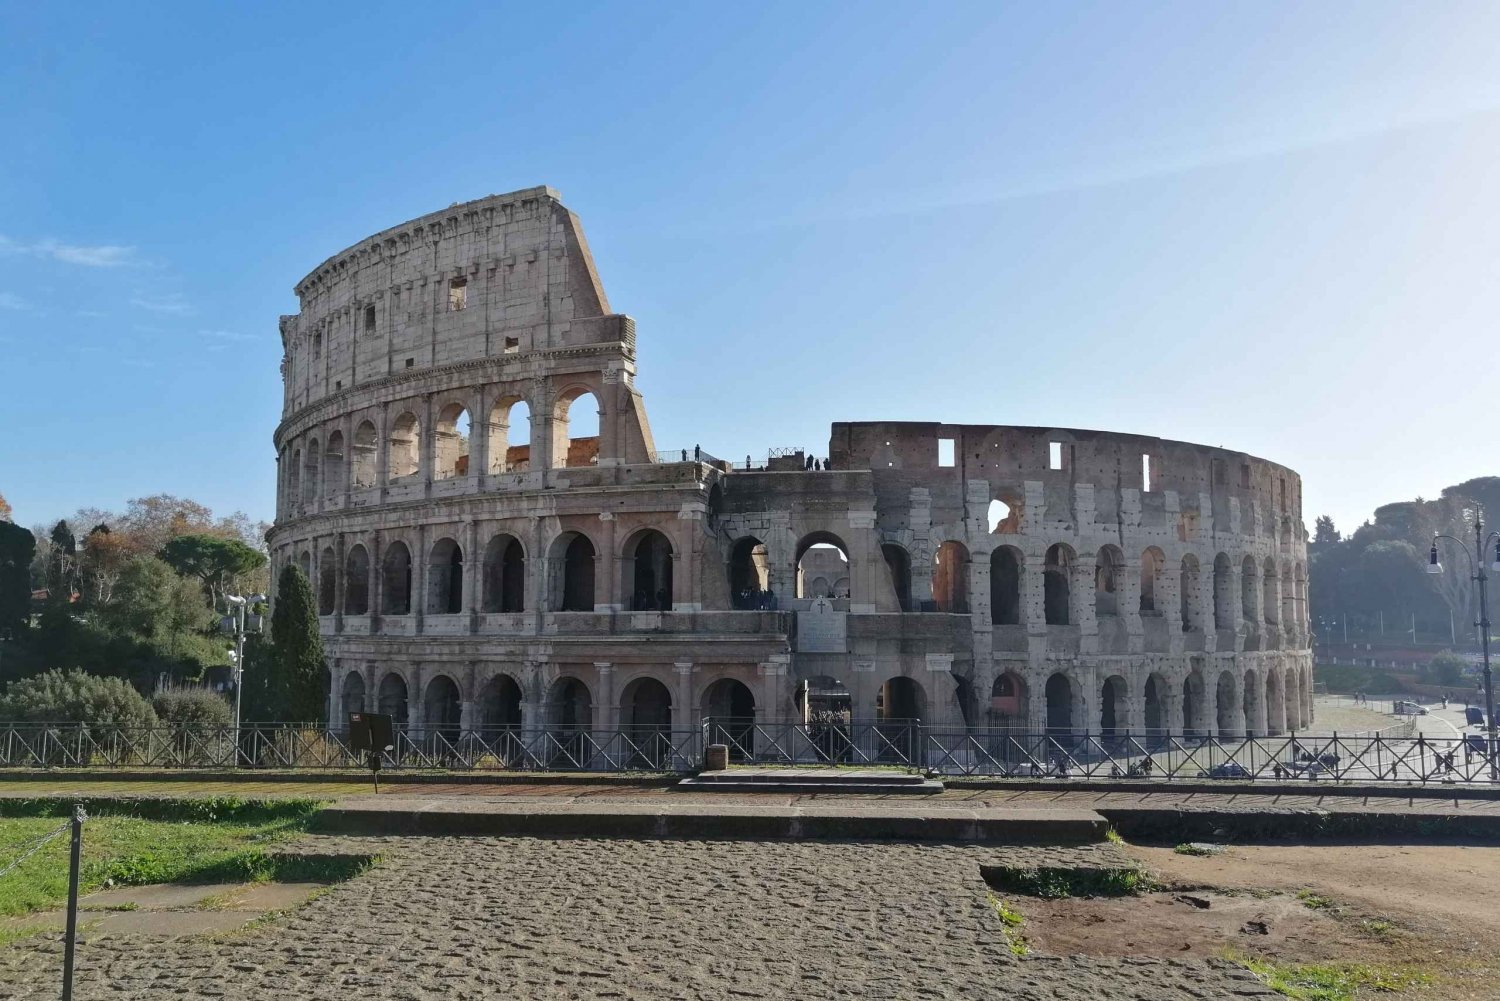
x=302, y=675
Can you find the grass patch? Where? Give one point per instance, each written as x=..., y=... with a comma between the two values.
x=1011, y=923
x=1379, y=927
x=1330, y=981
x=1315, y=901
x=137, y=842
x=1056, y=882
x=1113, y=836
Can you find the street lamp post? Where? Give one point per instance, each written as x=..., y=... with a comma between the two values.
x=239, y=608
x=1476, y=565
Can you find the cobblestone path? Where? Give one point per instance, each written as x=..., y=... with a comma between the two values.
x=582, y=919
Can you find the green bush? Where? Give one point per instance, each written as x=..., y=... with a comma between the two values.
x=192, y=705
x=75, y=697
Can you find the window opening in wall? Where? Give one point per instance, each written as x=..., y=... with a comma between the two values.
x=338, y=385
x=576, y=430
x=823, y=569
x=458, y=294
x=317, y=346
x=512, y=345
x=370, y=317
x=1283, y=493
x=1245, y=476
x=452, y=443
x=998, y=512
x=1221, y=473
x=1145, y=473
x=410, y=362
x=945, y=453
x=1054, y=455
x=510, y=436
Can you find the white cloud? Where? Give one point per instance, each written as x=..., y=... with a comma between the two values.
x=103, y=255
x=173, y=303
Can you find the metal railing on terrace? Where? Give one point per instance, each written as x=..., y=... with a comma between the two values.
x=1401, y=758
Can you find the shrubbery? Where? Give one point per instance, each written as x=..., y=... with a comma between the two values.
x=192, y=705
x=75, y=697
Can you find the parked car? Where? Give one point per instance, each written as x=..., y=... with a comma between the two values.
x=1228, y=770
x=1474, y=716
x=1406, y=708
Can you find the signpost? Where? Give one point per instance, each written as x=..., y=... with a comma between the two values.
x=373, y=733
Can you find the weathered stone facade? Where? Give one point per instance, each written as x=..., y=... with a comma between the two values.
x=506, y=576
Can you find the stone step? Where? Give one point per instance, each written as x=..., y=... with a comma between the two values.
x=820, y=776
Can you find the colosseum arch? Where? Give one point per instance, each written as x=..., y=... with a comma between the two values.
x=1188, y=595
x=1223, y=594
x=396, y=575
x=442, y=708
x=572, y=557
x=334, y=469
x=1195, y=714
x=1114, y=706
x=646, y=572
x=1005, y=586
x=1057, y=574
x=898, y=567
x=404, y=447
x=1271, y=594
x=294, y=478
x=1275, y=703
x=569, y=706
x=824, y=543
x=328, y=581
x=1227, y=701
x=950, y=578
x=901, y=698
x=749, y=573
x=577, y=418
x=451, y=440
x=363, y=462
x=645, y=708
x=509, y=432
x=504, y=575
x=357, y=581
x=1065, y=704
x=1153, y=565
x=1249, y=592
x=1289, y=620
x=1155, y=703
x=312, y=467
x=392, y=699
x=305, y=564
x=1109, y=567
x=1252, y=702
x=445, y=576
x=1009, y=705
x=500, y=703
x=352, y=693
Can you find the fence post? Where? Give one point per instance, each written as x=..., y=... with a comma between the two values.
x=72, y=930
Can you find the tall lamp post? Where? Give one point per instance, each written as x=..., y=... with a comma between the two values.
x=1476, y=565
x=235, y=622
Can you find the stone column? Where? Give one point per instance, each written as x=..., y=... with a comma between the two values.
x=1034, y=596
x=473, y=574
x=534, y=704
x=340, y=582
x=383, y=450
x=607, y=710
x=1172, y=707
x=608, y=588
x=1081, y=605
x=420, y=573
x=684, y=712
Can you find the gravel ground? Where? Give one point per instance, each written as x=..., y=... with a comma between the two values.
x=648, y=920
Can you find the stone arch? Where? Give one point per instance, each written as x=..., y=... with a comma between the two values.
x=328, y=581
x=1276, y=717
x=1226, y=699
x=334, y=469
x=352, y=695
x=1270, y=605
x=392, y=699
x=1252, y=703
x=1187, y=597
x=445, y=576
x=646, y=572
x=510, y=435
x=1009, y=703
x=950, y=577
x=451, y=437
x=1065, y=706
x=570, y=707
x=1249, y=591
x=1114, y=706
x=500, y=705
x=305, y=564
x=1195, y=721
x=749, y=573
x=294, y=479
x=504, y=575
x=821, y=542
x=1300, y=582
x=442, y=708
x=645, y=706
x=404, y=446
x=357, y=581
x=576, y=427
x=1153, y=563
x=823, y=695
x=1109, y=569
x=362, y=466
x=1005, y=586
x=573, y=556
x=901, y=698
x=396, y=572
x=312, y=472
x=898, y=564
x=1057, y=572
x=1223, y=609
x=728, y=706
x=1289, y=621
x=1156, y=715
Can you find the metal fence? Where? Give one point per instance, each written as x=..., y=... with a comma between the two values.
x=1377, y=758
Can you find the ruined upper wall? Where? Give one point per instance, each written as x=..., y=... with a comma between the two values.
x=507, y=274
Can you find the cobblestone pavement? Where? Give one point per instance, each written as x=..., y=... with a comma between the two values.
x=584, y=919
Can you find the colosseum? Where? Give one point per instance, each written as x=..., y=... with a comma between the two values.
x=467, y=474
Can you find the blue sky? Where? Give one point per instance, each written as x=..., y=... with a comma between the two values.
x=1270, y=227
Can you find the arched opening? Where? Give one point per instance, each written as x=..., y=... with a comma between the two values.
x=1062, y=700
x=392, y=699
x=351, y=696
x=1155, y=704
x=1249, y=591
x=823, y=697
x=304, y=563
x=1008, y=704
x=311, y=472
x=1288, y=599
x=500, y=705
x=403, y=456
x=396, y=571
x=950, y=578
x=1188, y=594
x=1005, y=587
x=357, y=581
x=573, y=589
x=451, y=443
x=1153, y=561
x=510, y=436
x=822, y=557
x=898, y=564
x=577, y=429
x=1114, y=706
x=1194, y=704
x=646, y=570
x=328, y=581
x=362, y=462
x=441, y=708
x=749, y=574
x=569, y=707
x=1275, y=704
x=729, y=708
x=1056, y=570
x=646, y=718
x=295, y=487
x=445, y=574
x=1227, y=701
x=504, y=575
x=1108, y=566
x=333, y=465
x=901, y=698
x=1251, y=704
x=1270, y=604
x=1223, y=610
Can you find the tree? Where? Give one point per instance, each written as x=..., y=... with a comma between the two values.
x=101, y=562
x=62, y=564
x=192, y=705
x=301, y=674
x=17, y=547
x=219, y=563
x=1324, y=534
x=75, y=697
x=1447, y=668
x=5, y=509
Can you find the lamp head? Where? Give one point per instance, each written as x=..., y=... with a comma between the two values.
x=1433, y=566
x=1496, y=564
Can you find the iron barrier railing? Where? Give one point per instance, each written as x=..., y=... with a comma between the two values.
x=996, y=753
